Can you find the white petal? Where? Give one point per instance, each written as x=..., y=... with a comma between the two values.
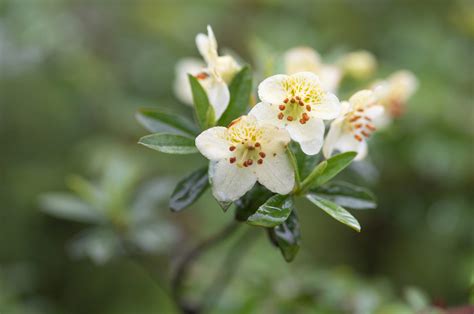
x=301, y=59
x=212, y=143
x=309, y=131
x=266, y=113
x=207, y=46
x=313, y=146
x=382, y=121
x=329, y=108
x=230, y=182
x=276, y=173
x=309, y=78
x=348, y=143
x=227, y=67
x=332, y=137
x=374, y=112
x=271, y=89
x=181, y=86
x=363, y=98
x=219, y=96
x=274, y=139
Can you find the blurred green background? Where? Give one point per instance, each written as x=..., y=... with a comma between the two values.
x=72, y=74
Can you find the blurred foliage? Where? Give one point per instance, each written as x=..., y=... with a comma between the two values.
x=72, y=74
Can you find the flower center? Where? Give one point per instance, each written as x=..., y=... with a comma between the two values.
x=358, y=123
x=245, y=146
x=294, y=108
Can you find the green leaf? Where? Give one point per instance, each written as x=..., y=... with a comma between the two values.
x=326, y=170
x=158, y=121
x=286, y=236
x=169, y=143
x=248, y=204
x=189, y=190
x=347, y=195
x=336, y=211
x=204, y=112
x=273, y=212
x=70, y=207
x=240, y=89
x=306, y=163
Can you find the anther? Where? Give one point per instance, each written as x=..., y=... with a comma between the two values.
x=354, y=118
x=260, y=161
x=286, y=100
x=280, y=116
x=365, y=133
x=358, y=125
x=281, y=107
x=298, y=98
x=367, y=118
x=358, y=137
x=370, y=127
x=289, y=118
x=292, y=100
x=249, y=162
x=301, y=103
x=360, y=110
x=305, y=116
x=232, y=148
x=202, y=76
x=232, y=160
x=257, y=144
x=245, y=164
x=308, y=107
x=302, y=121
x=262, y=154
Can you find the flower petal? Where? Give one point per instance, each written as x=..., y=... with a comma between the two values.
x=219, y=96
x=230, y=182
x=329, y=108
x=332, y=137
x=347, y=143
x=302, y=59
x=276, y=173
x=374, y=112
x=266, y=113
x=271, y=90
x=212, y=143
x=207, y=46
x=330, y=76
x=309, y=131
x=181, y=86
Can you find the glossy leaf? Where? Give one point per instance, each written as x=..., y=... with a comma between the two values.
x=155, y=121
x=240, y=89
x=336, y=211
x=169, y=143
x=306, y=163
x=204, y=112
x=273, y=212
x=347, y=195
x=248, y=204
x=286, y=236
x=189, y=190
x=70, y=207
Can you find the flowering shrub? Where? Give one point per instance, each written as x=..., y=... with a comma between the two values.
x=259, y=154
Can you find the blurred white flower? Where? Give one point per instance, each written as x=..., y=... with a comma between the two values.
x=298, y=103
x=306, y=59
x=245, y=152
x=358, y=64
x=351, y=129
x=214, y=75
x=393, y=93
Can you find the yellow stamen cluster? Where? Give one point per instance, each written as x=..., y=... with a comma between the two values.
x=359, y=124
x=244, y=137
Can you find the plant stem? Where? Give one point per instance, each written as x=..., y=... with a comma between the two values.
x=186, y=262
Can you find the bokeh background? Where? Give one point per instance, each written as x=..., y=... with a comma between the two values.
x=72, y=74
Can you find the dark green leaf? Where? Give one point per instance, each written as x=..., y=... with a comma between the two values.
x=347, y=195
x=286, y=236
x=158, y=121
x=306, y=163
x=204, y=112
x=336, y=211
x=189, y=190
x=70, y=207
x=273, y=212
x=240, y=89
x=248, y=204
x=169, y=143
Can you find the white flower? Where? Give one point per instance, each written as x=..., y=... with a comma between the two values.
x=393, y=93
x=298, y=103
x=350, y=131
x=214, y=75
x=359, y=64
x=245, y=152
x=306, y=59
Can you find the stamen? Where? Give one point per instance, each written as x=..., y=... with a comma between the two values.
x=298, y=98
x=302, y=121
x=249, y=162
x=232, y=148
x=358, y=137
x=358, y=125
x=202, y=76
x=370, y=127
x=360, y=110
x=355, y=118
x=262, y=154
x=308, y=107
x=365, y=133
x=293, y=100
x=245, y=164
x=286, y=100
x=301, y=103
x=367, y=118
x=289, y=118
x=232, y=160
x=280, y=116
x=257, y=144
x=305, y=116
x=260, y=161
x=282, y=107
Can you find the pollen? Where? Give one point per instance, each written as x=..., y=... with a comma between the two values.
x=232, y=160
x=260, y=161
x=282, y=107
x=280, y=116
x=358, y=137
x=289, y=118
x=308, y=107
x=232, y=148
x=262, y=154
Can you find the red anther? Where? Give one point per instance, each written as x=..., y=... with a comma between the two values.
x=358, y=125
x=281, y=107
x=249, y=162
x=232, y=148
x=302, y=121
x=232, y=160
x=371, y=127
x=289, y=118
x=355, y=118
x=308, y=107
x=245, y=164
x=305, y=116
x=358, y=137
x=286, y=100
x=364, y=133
x=280, y=116
x=262, y=154
x=202, y=76
x=298, y=98
x=292, y=100
x=257, y=144
x=360, y=110
x=301, y=103
x=260, y=161
x=367, y=118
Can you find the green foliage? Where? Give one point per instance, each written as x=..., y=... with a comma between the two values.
x=189, y=189
x=158, y=121
x=248, y=204
x=205, y=114
x=66, y=206
x=347, y=195
x=240, y=89
x=273, y=212
x=286, y=236
x=335, y=211
x=169, y=143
